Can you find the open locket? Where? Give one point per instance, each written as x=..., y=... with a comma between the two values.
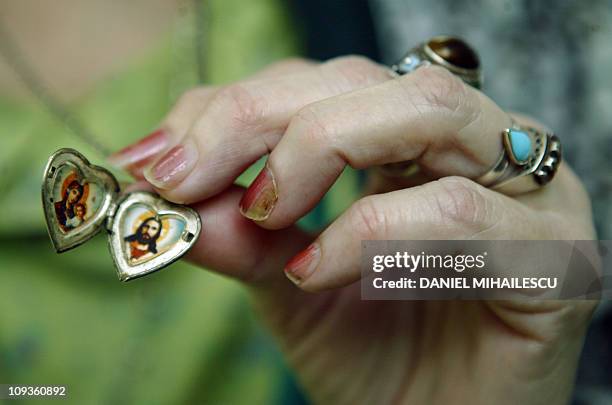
x=145, y=232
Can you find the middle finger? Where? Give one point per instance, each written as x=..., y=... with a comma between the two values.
x=428, y=116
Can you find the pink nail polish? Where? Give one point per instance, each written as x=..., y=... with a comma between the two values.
x=143, y=150
x=174, y=166
x=303, y=264
x=260, y=198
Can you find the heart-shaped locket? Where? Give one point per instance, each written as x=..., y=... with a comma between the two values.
x=149, y=233
x=77, y=198
x=146, y=232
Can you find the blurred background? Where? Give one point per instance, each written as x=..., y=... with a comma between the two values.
x=96, y=75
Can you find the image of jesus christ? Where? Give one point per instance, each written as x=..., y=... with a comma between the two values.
x=143, y=243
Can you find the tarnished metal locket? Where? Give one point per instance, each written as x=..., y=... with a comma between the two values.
x=145, y=232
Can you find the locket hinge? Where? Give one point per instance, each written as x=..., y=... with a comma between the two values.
x=110, y=217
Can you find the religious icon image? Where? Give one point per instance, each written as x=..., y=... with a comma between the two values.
x=76, y=199
x=149, y=234
x=144, y=241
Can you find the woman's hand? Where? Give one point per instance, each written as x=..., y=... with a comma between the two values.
x=315, y=119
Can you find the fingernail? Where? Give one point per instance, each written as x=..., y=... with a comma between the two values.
x=260, y=198
x=303, y=264
x=174, y=166
x=136, y=154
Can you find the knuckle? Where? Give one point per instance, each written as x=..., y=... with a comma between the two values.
x=313, y=129
x=460, y=201
x=367, y=220
x=441, y=89
x=237, y=104
x=358, y=71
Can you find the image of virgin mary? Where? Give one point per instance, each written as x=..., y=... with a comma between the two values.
x=65, y=209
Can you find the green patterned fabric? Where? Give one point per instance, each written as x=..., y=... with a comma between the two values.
x=183, y=335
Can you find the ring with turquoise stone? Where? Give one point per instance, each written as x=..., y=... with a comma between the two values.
x=529, y=160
